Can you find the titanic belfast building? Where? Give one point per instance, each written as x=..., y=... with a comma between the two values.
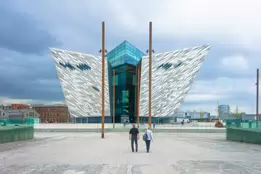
x=127, y=82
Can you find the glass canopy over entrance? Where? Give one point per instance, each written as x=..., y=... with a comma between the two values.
x=123, y=64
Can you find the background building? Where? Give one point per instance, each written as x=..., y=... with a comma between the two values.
x=5, y=106
x=127, y=74
x=18, y=114
x=53, y=114
x=192, y=115
x=249, y=117
x=195, y=115
x=20, y=106
x=3, y=114
x=223, y=109
x=245, y=116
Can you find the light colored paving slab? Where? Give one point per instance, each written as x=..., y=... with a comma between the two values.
x=118, y=125
x=173, y=128
x=82, y=153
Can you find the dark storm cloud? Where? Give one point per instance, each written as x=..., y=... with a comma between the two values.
x=21, y=33
x=25, y=62
x=28, y=77
x=24, y=86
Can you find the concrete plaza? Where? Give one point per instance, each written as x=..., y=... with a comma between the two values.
x=82, y=153
x=166, y=128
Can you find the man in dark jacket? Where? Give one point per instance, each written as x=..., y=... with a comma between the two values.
x=134, y=136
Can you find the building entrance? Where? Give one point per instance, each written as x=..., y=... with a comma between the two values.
x=124, y=100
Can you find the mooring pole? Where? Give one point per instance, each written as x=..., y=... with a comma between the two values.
x=150, y=74
x=103, y=76
x=114, y=97
x=257, y=94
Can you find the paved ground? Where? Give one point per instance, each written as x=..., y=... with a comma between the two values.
x=170, y=128
x=199, y=125
x=82, y=153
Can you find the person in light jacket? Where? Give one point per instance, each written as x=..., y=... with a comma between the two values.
x=149, y=139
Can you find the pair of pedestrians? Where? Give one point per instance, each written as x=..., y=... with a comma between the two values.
x=134, y=137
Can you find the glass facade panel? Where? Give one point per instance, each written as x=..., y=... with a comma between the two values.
x=116, y=80
x=125, y=53
x=124, y=60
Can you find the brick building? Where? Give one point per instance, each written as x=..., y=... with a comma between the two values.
x=20, y=106
x=53, y=114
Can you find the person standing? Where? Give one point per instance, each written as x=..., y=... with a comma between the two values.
x=134, y=136
x=149, y=139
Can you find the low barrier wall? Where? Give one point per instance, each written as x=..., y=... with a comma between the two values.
x=244, y=135
x=16, y=133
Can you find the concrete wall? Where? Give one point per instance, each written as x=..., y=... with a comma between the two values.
x=11, y=134
x=244, y=135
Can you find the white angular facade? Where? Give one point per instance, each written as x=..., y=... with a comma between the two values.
x=172, y=76
x=80, y=77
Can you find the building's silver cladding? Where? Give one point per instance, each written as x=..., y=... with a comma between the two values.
x=172, y=76
x=81, y=79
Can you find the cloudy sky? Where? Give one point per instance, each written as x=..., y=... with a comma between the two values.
x=28, y=28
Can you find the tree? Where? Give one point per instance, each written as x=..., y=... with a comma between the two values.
x=218, y=112
x=237, y=114
x=236, y=111
x=201, y=114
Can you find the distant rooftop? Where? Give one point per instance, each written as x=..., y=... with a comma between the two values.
x=17, y=111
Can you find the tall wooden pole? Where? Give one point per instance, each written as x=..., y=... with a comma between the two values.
x=138, y=97
x=150, y=74
x=103, y=75
x=114, y=97
x=257, y=94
